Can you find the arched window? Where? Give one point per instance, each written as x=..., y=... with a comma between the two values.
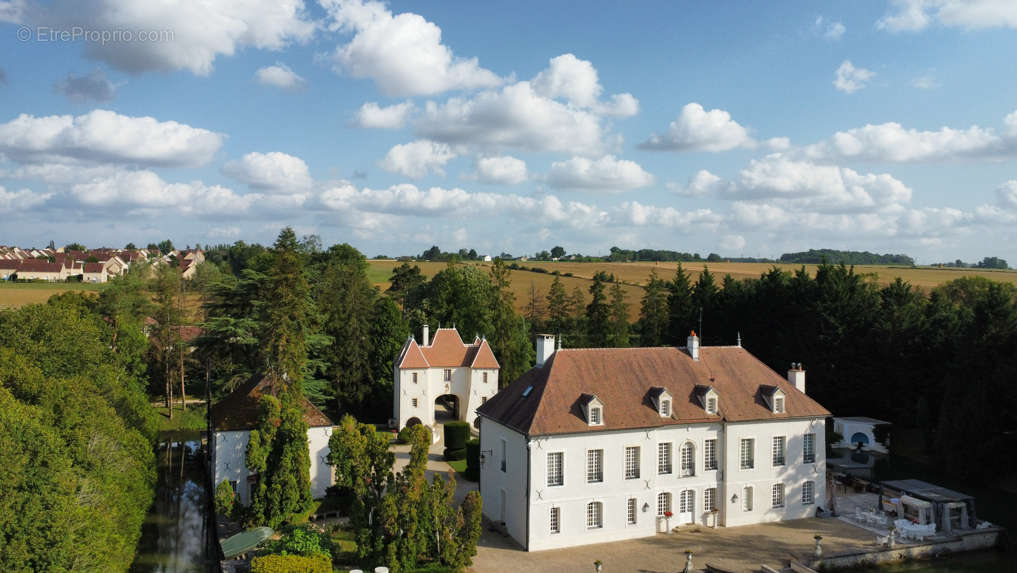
x=688, y=457
x=859, y=438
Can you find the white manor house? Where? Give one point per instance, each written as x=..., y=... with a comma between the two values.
x=604, y=444
x=458, y=375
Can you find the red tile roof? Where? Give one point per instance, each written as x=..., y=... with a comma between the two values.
x=242, y=409
x=484, y=357
x=92, y=267
x=623, y=379
x=447, y=350
x=40, y=265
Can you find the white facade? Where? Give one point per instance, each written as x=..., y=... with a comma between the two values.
x=230, y=455
x=416, y=396
x=444, y=366
x=523, y=498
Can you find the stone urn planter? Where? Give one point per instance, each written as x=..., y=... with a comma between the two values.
x=598, y=565
x=688, y=561
x=667, y=522
x=818, y=552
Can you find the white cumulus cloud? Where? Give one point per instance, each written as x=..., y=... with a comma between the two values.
x=701, y=183
x=179, y=35
x=577, y=82
x=697, y=129
x=605, y=174
x=145, y=189
x=273, y=171
x=893, y=142
x=916, y=15
x=21, y=200
x=280, y=76
x=512, y=117
x=1007, y=194
x=402, y=53
x=503, y=169
x=417, y=158
x=372, y=116
x=106, y=136
x=818, y=187
x=850, y=79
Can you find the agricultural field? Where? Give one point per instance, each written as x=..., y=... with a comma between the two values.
x=634, y=275
x=14, y=295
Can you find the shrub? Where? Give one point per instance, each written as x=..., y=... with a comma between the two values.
x=302, y=540
x=453, y=455
x=291, y=564
x=456, y=434
x=473, y=459
x=224, y=499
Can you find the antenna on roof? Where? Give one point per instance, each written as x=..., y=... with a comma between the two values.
x=701, y=323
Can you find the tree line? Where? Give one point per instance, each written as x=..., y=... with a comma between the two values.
x=76, y=432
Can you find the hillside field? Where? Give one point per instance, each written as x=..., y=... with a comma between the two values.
x=633, y=275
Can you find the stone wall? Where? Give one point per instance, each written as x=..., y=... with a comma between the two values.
x=963, y=541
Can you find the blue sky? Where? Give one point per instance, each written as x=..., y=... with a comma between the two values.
x=747, y=129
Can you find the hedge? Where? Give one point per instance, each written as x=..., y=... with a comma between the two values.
x=473, y=459
x=456, y=434
x=453, y=455
x=291, y=564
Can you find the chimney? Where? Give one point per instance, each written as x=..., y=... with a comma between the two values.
x=545, y=348
x=693, y=346
x=426, y=340
x=796, y=376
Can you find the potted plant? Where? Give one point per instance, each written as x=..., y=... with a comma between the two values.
x=716, y=514
x=818, y=553
x=667, y=520
x=598, y=565
x=688, y=561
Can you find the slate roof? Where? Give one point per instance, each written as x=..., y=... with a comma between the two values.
x=624, y=378
x=241, y=409
x=446, y=350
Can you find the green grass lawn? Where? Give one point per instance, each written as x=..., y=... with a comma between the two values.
x=191, y=419
x=14, y=295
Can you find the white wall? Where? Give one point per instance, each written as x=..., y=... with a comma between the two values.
x=321, y=473
x=764, y=474
x=231, y=461
x=466, y=384
x=574, y=495
x=512, y=481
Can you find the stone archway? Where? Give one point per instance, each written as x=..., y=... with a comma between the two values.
x=447, y=407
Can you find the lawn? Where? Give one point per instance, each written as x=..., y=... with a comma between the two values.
x=14, y=295
x=191, y=419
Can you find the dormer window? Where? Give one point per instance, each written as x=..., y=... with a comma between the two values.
x=777, y=401
x=448, y=374
x=593, y=408
x=708, y=399
x=414, y=377
x=662, y=401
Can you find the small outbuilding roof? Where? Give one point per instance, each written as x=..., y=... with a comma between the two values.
x=241, y=409
x=927, y=491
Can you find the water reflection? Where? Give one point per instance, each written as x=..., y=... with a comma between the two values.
x=176, y=536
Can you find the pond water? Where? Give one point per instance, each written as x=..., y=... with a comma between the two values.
x=978, y=562
x=177, y=536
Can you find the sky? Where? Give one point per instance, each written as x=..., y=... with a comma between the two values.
x=745, y=129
